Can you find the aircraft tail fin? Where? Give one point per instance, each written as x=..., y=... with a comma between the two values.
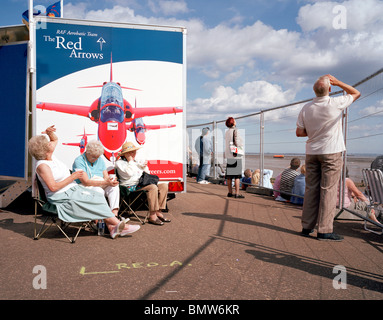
x=111, y=79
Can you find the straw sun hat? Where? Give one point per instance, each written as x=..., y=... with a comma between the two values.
x=128, y=147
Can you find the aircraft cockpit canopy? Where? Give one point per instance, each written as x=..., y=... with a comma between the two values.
x=112, y=113
x=139, y=125
x=112, y=93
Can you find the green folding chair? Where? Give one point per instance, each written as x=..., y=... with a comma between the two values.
x=50, y=216
x=131, y=201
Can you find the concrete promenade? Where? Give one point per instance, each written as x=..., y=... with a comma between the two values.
x=215, y=248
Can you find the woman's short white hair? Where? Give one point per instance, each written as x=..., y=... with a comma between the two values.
x=38, y=147
x=94, y=148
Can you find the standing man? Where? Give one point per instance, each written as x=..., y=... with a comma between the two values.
x=204, y=148
x=321, y=121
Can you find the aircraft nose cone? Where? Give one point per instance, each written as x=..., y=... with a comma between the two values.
x=140, y=137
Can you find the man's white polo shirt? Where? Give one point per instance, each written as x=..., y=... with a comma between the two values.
x=322, y=119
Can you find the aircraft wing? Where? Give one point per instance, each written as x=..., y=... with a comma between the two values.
x=71, y=144
x=160, y=126
x=146, y=112
x=64, y=108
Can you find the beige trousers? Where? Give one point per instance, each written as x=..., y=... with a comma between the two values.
x=322, y=178
x=157, y=195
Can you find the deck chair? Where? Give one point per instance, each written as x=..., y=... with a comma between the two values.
x=130, y=200
x=50, y=215
x=373, y=179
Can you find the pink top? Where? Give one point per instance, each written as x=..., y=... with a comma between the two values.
x=347, y=197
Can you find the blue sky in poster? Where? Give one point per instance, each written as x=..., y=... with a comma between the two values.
x=244, y=56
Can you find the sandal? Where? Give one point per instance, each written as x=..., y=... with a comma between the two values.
x=157, y=222
x=163, y=219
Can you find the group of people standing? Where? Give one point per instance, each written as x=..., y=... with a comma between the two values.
x=233, y=154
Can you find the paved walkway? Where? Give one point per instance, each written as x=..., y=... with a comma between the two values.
x=214, y=248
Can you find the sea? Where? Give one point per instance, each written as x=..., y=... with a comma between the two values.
x=354, y=162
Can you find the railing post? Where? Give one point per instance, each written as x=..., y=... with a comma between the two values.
x=215, y=160
x=261, y=150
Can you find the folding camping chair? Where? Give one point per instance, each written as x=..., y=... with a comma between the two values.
x=49, y=212
x=373, y=179
x=130, y=199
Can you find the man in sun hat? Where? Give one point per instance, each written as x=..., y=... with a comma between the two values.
x=129, y=171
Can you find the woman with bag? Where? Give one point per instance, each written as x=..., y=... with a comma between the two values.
x=233, y=154
x=130, y=171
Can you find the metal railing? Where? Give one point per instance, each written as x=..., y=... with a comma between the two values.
x=275, y=129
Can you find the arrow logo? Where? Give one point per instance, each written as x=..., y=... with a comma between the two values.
x=101, y=41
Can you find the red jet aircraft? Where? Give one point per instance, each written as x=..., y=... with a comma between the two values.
x=82, y=144
x=139, y=128
x=112, y=113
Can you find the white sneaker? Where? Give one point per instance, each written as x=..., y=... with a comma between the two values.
x=117, y=229
x=132, y=228
x=203, y=182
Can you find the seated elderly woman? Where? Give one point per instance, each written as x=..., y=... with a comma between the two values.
x=130, y=171
x=74, y=202
x=95, y=174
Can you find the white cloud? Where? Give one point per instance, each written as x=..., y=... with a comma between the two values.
x=251, y=97
x=229, y=51
x=360, y=15
x=117, y=13
x=168, y=7
x=214, y=51
x=225, y=47
x=374, y=110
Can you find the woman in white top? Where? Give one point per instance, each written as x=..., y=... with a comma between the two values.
x=129, y=172
x=74, y=203
x=234, y=161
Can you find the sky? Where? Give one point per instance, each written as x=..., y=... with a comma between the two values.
x=244, y=56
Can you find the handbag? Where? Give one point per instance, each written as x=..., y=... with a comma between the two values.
x=147, y=179
x=234, y=148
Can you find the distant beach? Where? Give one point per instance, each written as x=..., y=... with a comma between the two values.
x=355, y=164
